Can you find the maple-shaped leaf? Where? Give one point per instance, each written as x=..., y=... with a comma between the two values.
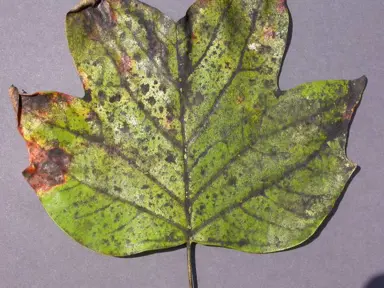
x=183, y=135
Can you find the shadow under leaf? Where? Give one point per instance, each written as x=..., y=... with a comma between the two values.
x=376, y=282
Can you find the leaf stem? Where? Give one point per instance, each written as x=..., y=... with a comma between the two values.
x=191, y=265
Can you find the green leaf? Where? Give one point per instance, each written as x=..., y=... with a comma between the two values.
x=183, y=135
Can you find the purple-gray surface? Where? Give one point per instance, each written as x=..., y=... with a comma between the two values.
x=331, y=39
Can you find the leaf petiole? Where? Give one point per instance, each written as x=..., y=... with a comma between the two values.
x=191, y=265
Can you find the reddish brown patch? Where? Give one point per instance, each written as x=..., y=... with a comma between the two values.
x=48, y=168
x=269, y=33
x=36, y=153
x=125, y=65
x=240, y=99
x=281, y=6
x=193, y=36
x=348, y=114
x=168, y=121
x=114, y=17
x=84, y=79
x=67, y=98
x=30, y=170
x=350, y=111
x=94, y=34
x=110, y=11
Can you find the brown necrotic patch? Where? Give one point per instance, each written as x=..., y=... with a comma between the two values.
x=281, y=6
x=125, y=65
x=269, y=33
x=48, y=168
x=40, y=104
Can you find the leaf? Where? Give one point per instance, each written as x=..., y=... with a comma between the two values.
x=183, y=135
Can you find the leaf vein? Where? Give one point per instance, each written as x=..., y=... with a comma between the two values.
x=94, y=212
x=131, y=203
x=258, y=218
x=250, y=146
x=147, y=28
x=114, y=150
x=261, y=192
x=121, y=227
x=213, y=36
x=125, y=83
x=204, y=123
x=165, y=134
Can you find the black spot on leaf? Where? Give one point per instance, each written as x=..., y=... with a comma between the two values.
x=137, y=57
x=141, y=105
x=144, y=88
x=170, y=158
x=101, y=95
x=243, y=242
x=87, y=96
x=151, y=100
x=115, y=98
x=232, y=181
x=60, y=158
x=147, y=128
x=169, y=117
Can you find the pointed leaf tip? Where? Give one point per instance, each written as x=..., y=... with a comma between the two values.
x=359, y=84
x=14, y=96
x=357, y=88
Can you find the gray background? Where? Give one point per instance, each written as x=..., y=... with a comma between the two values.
x=331, y=39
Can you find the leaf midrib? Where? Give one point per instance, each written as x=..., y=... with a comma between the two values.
x=184, y=71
